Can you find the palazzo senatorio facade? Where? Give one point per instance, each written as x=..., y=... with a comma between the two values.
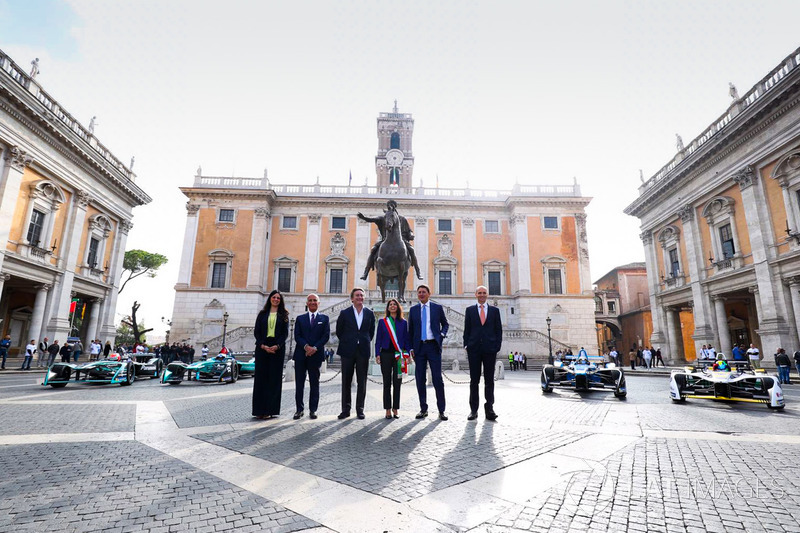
x=721, y=227
x=247, y=236
x=65, y=212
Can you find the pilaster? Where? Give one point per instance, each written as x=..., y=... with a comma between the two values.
x=469, y=256
x=259, y=245
x=311, y=263
x=421, y=247
x=519, y=232
x=189, y=243
x=658, y=337
x=703, y=319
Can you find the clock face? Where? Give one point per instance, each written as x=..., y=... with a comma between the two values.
x=394, y=157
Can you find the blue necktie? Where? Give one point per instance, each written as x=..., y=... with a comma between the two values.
x=424, y=322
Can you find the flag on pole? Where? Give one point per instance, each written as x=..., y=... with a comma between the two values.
x=349, y=183
x=83, y=310
x=72, y=306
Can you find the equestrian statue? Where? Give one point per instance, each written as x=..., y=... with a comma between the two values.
x=392, y=255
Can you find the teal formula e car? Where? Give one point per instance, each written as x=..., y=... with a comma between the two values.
x=114, y=370
x=223, y=368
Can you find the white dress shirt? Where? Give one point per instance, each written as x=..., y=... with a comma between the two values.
x=359, y=316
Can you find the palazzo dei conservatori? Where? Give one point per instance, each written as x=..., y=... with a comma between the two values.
x=247, y=236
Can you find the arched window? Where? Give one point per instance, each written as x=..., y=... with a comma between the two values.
x=395, y=142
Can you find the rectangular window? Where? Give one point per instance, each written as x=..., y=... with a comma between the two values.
x=445, y=282
x=726, y=240
x=612, y=308
x=338, y=223
x=94, y=244
x=218, y=276
x=444, y=224
x=491, y=226
x=550, y=222
x=674, y=264
x=285, y=279
x=494, y=283
x=554, y=280
x=337, y=275
x=35, y=228
x=289, y=223
x=226, y=215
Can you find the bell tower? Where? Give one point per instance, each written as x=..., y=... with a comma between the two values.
x=394, y=163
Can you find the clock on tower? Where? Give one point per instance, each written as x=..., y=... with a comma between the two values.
x=394, y=163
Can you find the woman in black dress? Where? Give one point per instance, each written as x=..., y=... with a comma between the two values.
x=271, y=332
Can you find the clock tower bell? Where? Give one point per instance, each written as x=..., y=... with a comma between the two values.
x=394, y=163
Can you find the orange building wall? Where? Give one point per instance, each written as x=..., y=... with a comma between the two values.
x=349, y=252
x=210, y=237
x=493, y=246
x=562, y=243
x=433, y=252
x=291, y=243
x=777, y=210
x=58, y=228
x=90, y=211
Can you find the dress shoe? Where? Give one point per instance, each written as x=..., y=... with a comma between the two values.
x=472, y=416
x=442, y=416
x=360, y=416
x=298, y=415
x=421, y=414
x=342, y=416
x=312, y=415
x=491, y=415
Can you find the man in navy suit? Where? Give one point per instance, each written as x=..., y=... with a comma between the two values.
x=355, y=329
x=427, y=326
x=311, y=331
x=483, y=336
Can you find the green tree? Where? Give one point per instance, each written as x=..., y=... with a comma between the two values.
x=138, y=263
x=136, y=327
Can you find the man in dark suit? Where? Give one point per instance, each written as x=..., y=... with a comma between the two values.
x=311, y=331
x=483, y=336
x=355, y=329
x=428, y=326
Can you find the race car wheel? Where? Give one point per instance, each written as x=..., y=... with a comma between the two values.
x=234, y=373
x=546, y=387
x=129, y=377
x=777, y=408
x=58, y=385
x=622, y=389
x=159, y=369
x=174, y=382
x=680, y=381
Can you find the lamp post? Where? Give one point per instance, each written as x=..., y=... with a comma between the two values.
x=224, y=328
x=169, y=325
x=549, y=342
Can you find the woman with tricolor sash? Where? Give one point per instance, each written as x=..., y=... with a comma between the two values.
x=391, y=352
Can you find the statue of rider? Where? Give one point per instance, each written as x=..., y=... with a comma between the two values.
x=405, y=231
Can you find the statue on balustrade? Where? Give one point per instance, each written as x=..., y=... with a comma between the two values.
x=392, y=255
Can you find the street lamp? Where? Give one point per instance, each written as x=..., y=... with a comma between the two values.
x=549, y=341
x=169, y=325
x=224, y=328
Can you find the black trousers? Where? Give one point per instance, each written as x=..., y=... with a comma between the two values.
x=267, y=381
x=357, y=365
x=302, y=367
x=478, y=362
x=390, y=377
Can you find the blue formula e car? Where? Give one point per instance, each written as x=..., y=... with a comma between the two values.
x=584, y=373
x=223, y=368
x=114, y=370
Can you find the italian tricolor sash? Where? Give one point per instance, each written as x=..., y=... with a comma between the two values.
x=399, y=355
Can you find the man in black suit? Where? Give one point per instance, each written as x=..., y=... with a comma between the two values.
x=483, y=336
x=311, y=331
x=427, y=326
x=355, y=329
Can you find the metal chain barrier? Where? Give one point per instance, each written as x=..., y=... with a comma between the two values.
x=330, y=378
x=451, y=380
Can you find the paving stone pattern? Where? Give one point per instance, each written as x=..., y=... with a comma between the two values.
x=672, y=485
x=38, y=419
x=125, y=486
x=397, y=459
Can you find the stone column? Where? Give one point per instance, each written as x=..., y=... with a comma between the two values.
x=793, y=286
x=703, y=320
x=658, y=338
x=62, y=291
x=37, y=317
x=189, y=243
x=675, y=335
x=469, y=257
x=13, y=166
x=362, y=251
x=94, y=318
x=108, y=328
x=3, y=278
x=519, y=235
x=724, y=345
x=421, y=247
x=311, y=260
x=773, y=329
x=258, y=249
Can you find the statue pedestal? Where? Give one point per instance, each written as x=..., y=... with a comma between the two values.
x=324, y=367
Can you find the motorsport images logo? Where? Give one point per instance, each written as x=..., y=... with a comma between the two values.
x=590, y=484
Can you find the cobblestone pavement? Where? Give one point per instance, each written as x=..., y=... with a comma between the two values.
x=160, y=458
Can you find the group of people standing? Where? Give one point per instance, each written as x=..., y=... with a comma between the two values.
x=517, y=361
x=418, y=336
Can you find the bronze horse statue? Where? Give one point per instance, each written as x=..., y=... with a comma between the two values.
x=393, y=260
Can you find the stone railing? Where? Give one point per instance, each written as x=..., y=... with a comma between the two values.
x=367, y=190
x=535, y=335
x=230, y=337
x=752, y=96
x=18, y=75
